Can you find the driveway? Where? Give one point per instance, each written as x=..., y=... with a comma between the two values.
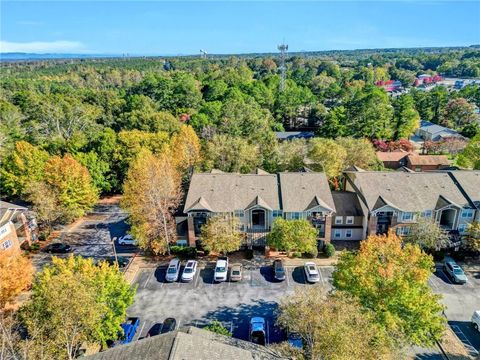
x=92, y=236
x=199, y=302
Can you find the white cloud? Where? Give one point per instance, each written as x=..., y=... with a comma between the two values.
x=41, y=46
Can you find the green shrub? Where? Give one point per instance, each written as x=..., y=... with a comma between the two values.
x=297, y=254
x=217, y=327
x=312, y=254
x=186, y=252
x=43, y=236
x=329, y=250
x=34, y=247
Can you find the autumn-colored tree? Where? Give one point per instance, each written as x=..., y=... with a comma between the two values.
x=391, y=280
x=15, y=275
x=470, y=156
x=221, y=234
x=328, y=156
x=472, y=239
x=25, y=164
x=75, y=301
x=334, y=326
x=291, y=155
x=185, y=148
x=427, y=234
x=457, y=113
x=151, y=196
x=360, y=152
x=72, y=185
x=293, y=236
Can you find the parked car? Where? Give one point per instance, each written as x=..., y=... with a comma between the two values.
x=454, y=271
x=122, y=261
x=155, y=330
x=58, y=248
x=279, y=269
x=221, y=270
x=173, y=270
x=476, y=320
x=295, y=340
x=257, y=330
x=189, y=271
x=129, y=329
x=169, y=324
x=311, y=272
x=236, y=272
x=126, y=240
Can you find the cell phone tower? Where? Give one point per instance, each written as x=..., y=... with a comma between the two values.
x=283, y=48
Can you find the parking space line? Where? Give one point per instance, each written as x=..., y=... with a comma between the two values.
x=288, y=281
x=321, y=276
x=197, y=277
x=141, y=330
x=148, y=279
x=464, y=339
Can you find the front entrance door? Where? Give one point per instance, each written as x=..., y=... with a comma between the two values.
x=258, y=218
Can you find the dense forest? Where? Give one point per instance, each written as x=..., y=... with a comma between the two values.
x=97, y=114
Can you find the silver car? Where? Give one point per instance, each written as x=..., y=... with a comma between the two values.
x=311, y=272
x=454, y=271
x=173, y=270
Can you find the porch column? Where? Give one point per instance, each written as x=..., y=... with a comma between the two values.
x=372, y=225
x=328, y=229
x=190, y=232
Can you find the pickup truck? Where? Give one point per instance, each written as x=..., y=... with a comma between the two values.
x=129, y=328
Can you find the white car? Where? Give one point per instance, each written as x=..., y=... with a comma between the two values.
x=173, y=270
x=189, y=271
x=476, y=320
x=127, y=240
x=311, y=272
x=221, y=270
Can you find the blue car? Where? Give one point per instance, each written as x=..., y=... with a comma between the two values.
x=129, y=329
x=257, y=330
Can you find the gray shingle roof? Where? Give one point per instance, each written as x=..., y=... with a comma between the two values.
x=187, y=344
x=298, y=190
x=347, y=203
x=289, y=135
x=227, y=192
x=407, y=191
x=470, y=182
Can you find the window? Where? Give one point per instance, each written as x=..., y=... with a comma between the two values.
x=467, y=213
x=7, y=244
x=349, y=220
x=427, y=214
x=407, y=216
x=418, y=168
x=239, y=213
x=348, y=233
x=462, y=228
x=338, y=220
x=402, y=231
x=277, y=213
x=296, y=215
x=337, y=233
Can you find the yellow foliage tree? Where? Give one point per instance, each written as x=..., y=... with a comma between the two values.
x=152, y=193
x=185, y=147
x=15, y=275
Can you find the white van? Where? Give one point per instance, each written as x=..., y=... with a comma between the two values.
x=476, y=320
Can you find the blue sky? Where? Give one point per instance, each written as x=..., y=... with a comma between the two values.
x=181, y=27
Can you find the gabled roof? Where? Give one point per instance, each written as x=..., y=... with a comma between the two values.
x=185, y=344
x=469, y=181
x=258, y=201
x=200, y=204
x=299, y=189
x=415, y=159
x=316, y=202
x=412, y=192
x=226, y=192
x=443, y=201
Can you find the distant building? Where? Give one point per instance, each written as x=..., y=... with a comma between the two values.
x=402, y=159
x=290, y=135
x=390, y=85
x=434, y=132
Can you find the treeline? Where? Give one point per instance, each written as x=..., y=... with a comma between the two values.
x=99, y=113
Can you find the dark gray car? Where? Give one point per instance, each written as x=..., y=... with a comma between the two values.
x=279, y=269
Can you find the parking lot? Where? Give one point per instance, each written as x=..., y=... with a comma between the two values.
x=92, y=236
x=202, y=300
x=461, y=301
